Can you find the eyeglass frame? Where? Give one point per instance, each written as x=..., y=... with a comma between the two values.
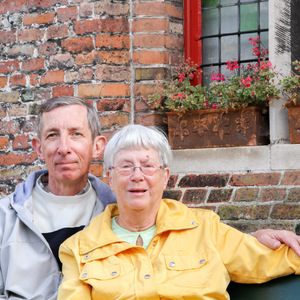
x=132, y=167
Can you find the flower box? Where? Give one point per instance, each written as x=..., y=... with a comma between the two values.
x=217, y=128
x=294, y=122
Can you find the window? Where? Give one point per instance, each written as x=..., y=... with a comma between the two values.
x=217, y=31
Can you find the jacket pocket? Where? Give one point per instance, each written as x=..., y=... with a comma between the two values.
x=107, y=277
x=188, y=270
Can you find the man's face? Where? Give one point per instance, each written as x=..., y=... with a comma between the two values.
x=67, y=147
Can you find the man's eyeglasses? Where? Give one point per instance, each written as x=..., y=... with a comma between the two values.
x=126, y=169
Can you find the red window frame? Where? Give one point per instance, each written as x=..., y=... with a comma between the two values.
x=192, y=31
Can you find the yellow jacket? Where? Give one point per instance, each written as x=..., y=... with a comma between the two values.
x=192, y=256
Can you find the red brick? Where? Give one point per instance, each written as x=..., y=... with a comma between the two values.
x=9, y=97
x=194, y=196
x=27, y=50
x=30, y=125
x=204, y=180
x=145, y=89
x=4, y=143
x=219, y=195
x=175, y=43
x=113, y=105
x=57, y=31
x=157, y=9
x=96, y=169
x=112, y=41
x=47, y=49
x=78, y=44
x=258, y=179
x=81, y=75
x=150, y=40
x=17, y=80
x=119, y=119
x=9, y=127
x=13, y=159
x=53, y=77
x=9, y=66
x=111, y=9
x=7, y=37
x=34, y=79
x=66, y=13
x=12, y=6
x=286, y=212
x=112, y=73
x=45, y=3
x=103, y=90
x=291, y=178
x=105, y=25
x=3, y=82
x=272, y=194
x=63, y=91
x=255, y=212
x=108, y=57
x=150, y=120
x=18, y=110
x=21, y=141
x=141, y=25
x=33, y=64
x=150, y=57
x=29, y=35
x=86, y=10
x=38, y=18
x=61, y=61
x=172, y=181
x=246, y=194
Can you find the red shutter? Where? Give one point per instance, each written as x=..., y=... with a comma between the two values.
x=192, y=31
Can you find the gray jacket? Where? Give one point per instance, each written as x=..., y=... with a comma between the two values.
x=28, y=269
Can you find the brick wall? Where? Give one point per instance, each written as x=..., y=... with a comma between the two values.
x=111, y=53
x=247, y=201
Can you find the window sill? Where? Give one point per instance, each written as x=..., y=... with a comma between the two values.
x=233, y=159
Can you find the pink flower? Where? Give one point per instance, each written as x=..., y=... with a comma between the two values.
x=215, y=105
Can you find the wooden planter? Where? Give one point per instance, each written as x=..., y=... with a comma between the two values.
x=294, y=122
x=216, y=128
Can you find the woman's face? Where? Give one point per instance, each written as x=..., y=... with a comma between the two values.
x=137, y=191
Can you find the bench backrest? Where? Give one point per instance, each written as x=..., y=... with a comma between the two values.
x=284, y=288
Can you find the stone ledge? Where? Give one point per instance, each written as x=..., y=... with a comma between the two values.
x=237, y=159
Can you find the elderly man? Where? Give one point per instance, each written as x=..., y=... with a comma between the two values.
x=53, y=204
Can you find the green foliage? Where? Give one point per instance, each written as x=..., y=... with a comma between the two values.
x=249, y=85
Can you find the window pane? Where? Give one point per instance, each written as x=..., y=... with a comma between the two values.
x=210, y=51
x=223, y=2
x=249, y=17
x=229, y=48
x=229, y=19
x=209, y=20
x=264, y=16
x=206, y=74
x=246, y=47
x=209, y=3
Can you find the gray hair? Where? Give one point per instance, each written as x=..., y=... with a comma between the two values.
x=92, y=116
x=138, y=136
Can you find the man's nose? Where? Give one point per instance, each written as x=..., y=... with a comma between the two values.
x=64, y=145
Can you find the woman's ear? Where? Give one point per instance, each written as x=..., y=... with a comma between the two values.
x=37, y=146
x=166, y=178
x=99, y=145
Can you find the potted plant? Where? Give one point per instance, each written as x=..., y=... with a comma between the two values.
x=230, y=111
x=290, y=93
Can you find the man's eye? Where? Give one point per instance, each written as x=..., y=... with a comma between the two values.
x=51, y=135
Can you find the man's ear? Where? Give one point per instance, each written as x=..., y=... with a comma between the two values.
x=99, y=145
x=37, y=146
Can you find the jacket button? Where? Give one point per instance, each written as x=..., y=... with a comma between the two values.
x=202, y=261
x=84, y=275
x=193, y=222
x=87, y=256
x=113, y=273
x=172, y=264
x=147, y=276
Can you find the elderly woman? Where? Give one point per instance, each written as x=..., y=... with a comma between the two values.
x=146, y=247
